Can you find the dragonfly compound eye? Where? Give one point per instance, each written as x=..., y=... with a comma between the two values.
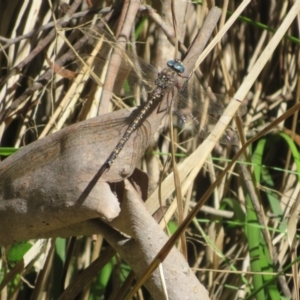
x=176, y=65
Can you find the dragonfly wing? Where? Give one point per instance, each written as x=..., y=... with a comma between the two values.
x=126, y=76
x=198, y=110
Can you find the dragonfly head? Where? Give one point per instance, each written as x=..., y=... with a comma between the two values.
x=176, y=65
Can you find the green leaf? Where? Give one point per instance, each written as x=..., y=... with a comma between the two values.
x=17, y=251
x=7, y=151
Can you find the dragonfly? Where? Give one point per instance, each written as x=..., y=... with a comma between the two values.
x=196, y=104
x=165, y=81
